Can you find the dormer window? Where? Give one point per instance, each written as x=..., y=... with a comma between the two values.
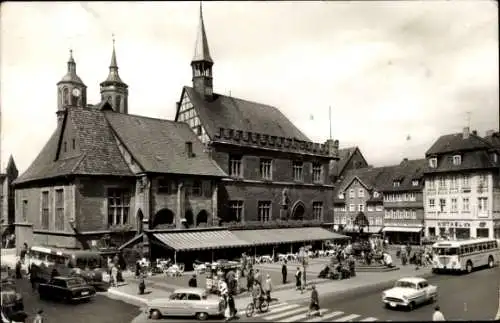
x=414, y=182
x=396, y=183
x=457, y=160
x=433, y=162
x=341, y=196
x=376, y=194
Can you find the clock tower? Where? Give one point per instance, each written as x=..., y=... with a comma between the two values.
x=71, y=91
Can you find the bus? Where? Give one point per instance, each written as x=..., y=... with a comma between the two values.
x=465, y=255
x=90, y=265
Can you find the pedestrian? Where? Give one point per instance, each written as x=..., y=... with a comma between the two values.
x=38, y=317
x=268, y=287
x=298, y=279
x=18, y=269
x=142, y=285
x=352, y=265
x=438, y=316
x=54, y=273
x=314, y=305
x=33, y=273
x=284, y=272
x=137, y=268
x=302, y=279
x=193, y=282
x=24, y=252
x=256, y=295
x=250, y=280
x=114, y=276
x=258, y=277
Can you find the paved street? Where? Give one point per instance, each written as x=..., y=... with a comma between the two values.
x=471, y=297
x=99, y=310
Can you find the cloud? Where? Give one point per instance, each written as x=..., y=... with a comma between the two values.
x=387, y=69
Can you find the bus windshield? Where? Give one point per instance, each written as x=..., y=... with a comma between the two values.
x=446, y=251
x=88, y=262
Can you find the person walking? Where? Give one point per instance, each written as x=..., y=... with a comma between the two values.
x=142, y=284
x=137, y=268
x=298, y=279
x=302, y=280
x=268, y=287
x=314, y=305
x=284, y=272
x=19, y=274
x=114, y=276
x=193, y=282
x=33, y=273
x=250, y=280
x=38, y=317
x=437, y=315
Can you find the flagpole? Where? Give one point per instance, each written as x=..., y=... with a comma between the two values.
x=330, y=119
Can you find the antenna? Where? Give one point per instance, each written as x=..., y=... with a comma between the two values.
x=330, y=119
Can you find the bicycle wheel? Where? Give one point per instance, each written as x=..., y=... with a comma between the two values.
x=249, y=310
x=264, y=306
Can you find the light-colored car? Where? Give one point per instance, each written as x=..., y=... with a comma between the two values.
x=186, y=302
x=410, y=292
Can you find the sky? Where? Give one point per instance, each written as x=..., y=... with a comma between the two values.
x=390, y=71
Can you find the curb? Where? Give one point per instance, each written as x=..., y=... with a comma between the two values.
x=126, y=295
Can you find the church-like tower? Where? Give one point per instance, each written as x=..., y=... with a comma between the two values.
x=71, y=91
x=202, y=62
x=114, y=90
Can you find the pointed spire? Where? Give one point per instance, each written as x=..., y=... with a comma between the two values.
x=71, y=63
x=201, y=51
x=113, y=75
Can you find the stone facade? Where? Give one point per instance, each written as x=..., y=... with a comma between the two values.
x=7, y=212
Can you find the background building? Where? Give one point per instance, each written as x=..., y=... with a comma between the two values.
x=403, y=201
x=349, y=158
x=462, y=187
x=7, y=212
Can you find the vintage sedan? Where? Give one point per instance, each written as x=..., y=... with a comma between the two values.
x=186, y=302
x=409, y=292
x=66, y=289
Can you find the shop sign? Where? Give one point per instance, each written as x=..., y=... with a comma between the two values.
x=454, y=224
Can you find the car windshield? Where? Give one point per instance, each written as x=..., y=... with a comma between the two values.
x=75, y=282
x=405, y=284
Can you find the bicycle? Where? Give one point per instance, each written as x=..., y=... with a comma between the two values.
x=263, y=307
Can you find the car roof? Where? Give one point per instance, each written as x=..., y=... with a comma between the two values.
x=66, y=277
x=414, y=280
x=190, y=290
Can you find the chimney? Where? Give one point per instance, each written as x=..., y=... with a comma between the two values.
x=189, y=149
x=474, y=132
x=405, y=160
x=490, y=133
x=466, y=133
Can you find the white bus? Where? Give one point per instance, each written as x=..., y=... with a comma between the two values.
x=465, y=255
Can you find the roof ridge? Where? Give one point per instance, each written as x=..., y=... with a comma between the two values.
x=241, y=99
x=143, y=117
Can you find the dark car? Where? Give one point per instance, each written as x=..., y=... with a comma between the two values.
x=10, y=298
x=66, y=289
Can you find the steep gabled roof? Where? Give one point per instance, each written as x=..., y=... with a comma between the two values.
x=456, y=143
x=494, y=139
x=406, y=172
x=233, y=113
x=345, y=156
x=160, y=145
x=470, y=160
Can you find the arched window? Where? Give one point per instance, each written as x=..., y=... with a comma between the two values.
x=65, y=95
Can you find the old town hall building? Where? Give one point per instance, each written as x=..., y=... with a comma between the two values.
x=224, y=163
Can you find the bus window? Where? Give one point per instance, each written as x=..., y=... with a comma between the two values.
x=81, y=263
x=446, y=251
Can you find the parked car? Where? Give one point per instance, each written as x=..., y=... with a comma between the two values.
x=10, y=298
x=66, y=289
x=410, y=292
x=186, y=302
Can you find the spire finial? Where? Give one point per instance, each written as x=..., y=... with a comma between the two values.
x=201, y=51
x=113, y=38
x=113, y=64
x=71, y=59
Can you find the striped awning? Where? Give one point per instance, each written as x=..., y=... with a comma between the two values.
x=199, y=240
x=402, y=229
x=288, y=235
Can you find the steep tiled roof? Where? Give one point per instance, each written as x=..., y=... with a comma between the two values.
x=233, y=113
x=494, y=139
x=345, y=155
x=405, y=173
x=456, y=142
x=471, y=160
x=160, y=145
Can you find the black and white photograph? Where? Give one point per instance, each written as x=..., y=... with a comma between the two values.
x=281, y=161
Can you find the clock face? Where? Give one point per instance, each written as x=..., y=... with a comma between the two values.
x=76, y=92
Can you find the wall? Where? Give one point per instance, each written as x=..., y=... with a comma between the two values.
x=92, y=203
x=250, y=193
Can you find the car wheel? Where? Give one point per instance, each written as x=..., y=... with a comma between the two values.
x=411, y=306
x=468, y=267
x=202, y=316
x=490, y=262
x=155, y=315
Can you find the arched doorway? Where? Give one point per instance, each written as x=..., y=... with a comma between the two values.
x=163, y=217
x=140, y=218
x=189, y=216
x=298, y=211
x=202, y=217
